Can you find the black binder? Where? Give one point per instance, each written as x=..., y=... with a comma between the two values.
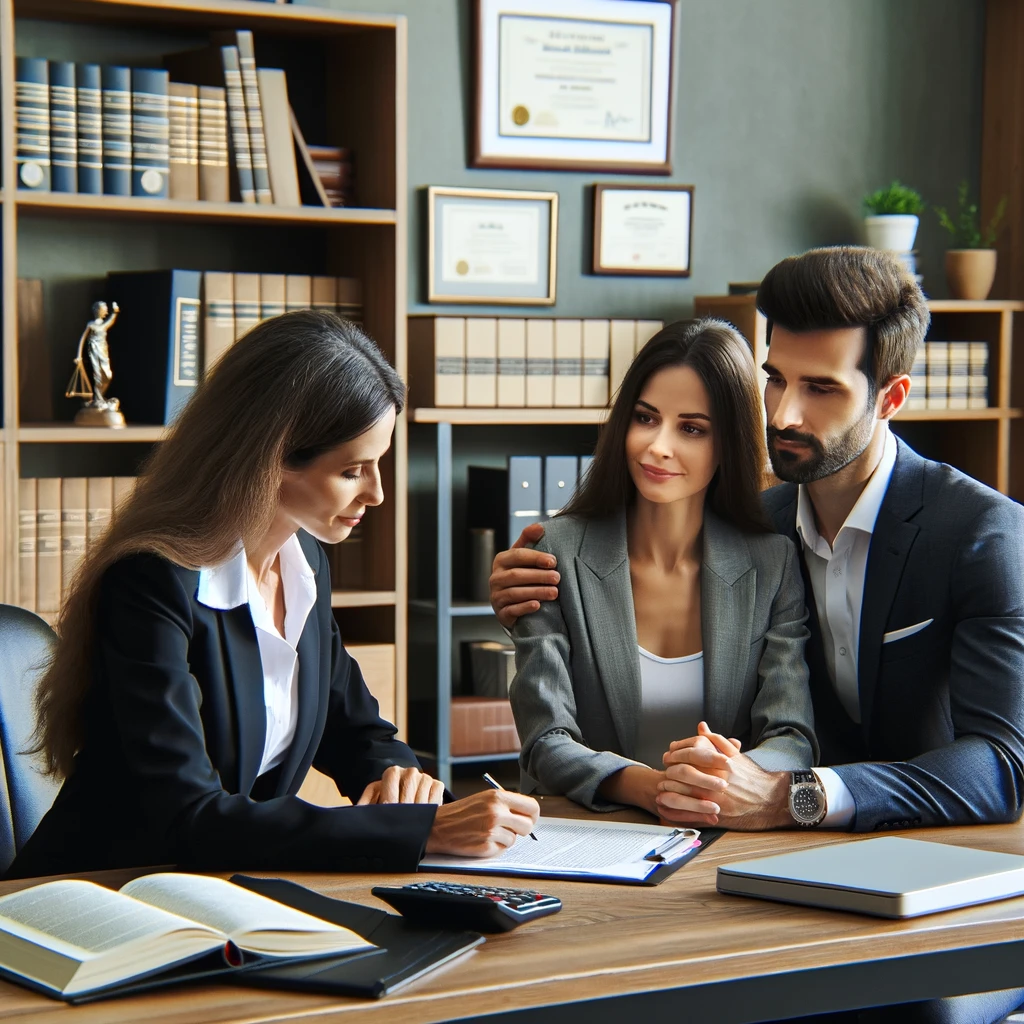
x=407, y=952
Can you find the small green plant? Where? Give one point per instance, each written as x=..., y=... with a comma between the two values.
x=966, y=230
x=896, y=198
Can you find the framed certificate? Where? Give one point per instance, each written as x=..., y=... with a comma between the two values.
x=491, y=246
x=643, y=229
x=574, y=84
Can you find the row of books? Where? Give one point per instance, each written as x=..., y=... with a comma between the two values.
x=234, y=303
x=189, y=318
x=58, y=518
x=530, y=489
x=117, y=130
x=536, y=362
x=950, y=375
x=221, y=306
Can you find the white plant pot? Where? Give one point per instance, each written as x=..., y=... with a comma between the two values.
x=894, y=231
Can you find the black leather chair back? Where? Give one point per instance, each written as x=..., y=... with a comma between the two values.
x=26, y=645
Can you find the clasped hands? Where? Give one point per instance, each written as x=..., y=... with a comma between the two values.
x=708, y=781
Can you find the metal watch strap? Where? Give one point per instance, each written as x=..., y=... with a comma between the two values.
x=804, y=775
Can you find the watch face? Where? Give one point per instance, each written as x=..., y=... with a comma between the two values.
x=806, y=802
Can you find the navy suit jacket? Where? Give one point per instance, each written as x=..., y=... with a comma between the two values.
x=175, y=728
x=942, y=710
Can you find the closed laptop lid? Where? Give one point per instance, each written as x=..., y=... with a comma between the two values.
x=887, y=866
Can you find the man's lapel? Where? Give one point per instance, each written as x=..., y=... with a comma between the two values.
x=891, y=542
x=606, y=593
x=728, y=584
x=243, y=664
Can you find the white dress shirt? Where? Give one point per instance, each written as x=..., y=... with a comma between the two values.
x=837, y=581
x=232, y=584
x=671, y=703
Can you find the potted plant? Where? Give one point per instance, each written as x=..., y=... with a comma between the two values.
x=971, y=262
x=893, y=216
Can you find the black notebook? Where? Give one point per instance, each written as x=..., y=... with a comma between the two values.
x=406, y=951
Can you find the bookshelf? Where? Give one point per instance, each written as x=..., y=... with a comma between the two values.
x=535, y=417
x=348, y=78
x=443, y=443
x=66, y=204
x=986, y=443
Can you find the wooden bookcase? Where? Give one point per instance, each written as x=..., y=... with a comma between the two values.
x=347, y=81
x=986, y=443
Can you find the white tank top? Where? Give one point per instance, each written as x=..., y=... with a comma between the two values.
x=671, y=703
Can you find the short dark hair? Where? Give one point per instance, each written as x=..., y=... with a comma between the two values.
x=850, y=286
x=720, y=356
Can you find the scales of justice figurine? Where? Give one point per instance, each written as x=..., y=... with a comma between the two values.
x=98, y=411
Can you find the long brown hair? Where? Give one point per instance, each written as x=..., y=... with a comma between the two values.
x=717, y=353
x=294, y=387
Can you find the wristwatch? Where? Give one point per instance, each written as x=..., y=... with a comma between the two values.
x=807, y=799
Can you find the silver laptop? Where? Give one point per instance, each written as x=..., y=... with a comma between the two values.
x=887, y=877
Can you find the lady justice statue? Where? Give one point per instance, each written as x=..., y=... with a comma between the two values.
x=99, y=411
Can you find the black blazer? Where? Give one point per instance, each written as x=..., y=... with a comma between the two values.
x=175, y=728
x=943, y=706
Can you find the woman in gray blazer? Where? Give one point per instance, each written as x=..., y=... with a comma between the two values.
x=679, y=613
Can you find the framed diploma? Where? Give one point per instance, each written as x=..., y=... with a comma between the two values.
x=574, y=84
x=643, y=229
x=491, y=246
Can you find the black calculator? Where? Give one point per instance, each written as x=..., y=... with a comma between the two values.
x=477, y=908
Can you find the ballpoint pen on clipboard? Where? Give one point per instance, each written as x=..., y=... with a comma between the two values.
x=681, y=840
x=495, y=784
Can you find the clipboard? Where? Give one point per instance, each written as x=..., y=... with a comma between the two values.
x=655, y=853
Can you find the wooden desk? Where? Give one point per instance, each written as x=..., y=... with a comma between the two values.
x=645, y=952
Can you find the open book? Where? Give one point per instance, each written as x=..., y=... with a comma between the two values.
x=73, y=937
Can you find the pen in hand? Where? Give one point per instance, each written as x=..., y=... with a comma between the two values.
x=494, y=784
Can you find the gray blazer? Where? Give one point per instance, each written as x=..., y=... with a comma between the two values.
x=576, y=693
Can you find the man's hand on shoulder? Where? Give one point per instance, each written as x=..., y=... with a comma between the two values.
x=521, y=578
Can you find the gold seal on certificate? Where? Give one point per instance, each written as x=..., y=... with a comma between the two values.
x=574, y=84
x=583, y=81
x=493, y=246
x=643, y=229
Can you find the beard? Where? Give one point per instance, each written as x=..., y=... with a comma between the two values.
x=824, y=457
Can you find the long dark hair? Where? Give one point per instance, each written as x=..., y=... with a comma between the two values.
x=294, y=387
x=718, y=354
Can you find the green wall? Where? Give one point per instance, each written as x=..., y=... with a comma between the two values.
x=787, y=112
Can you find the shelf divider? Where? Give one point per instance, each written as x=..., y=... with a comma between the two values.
x=202, y=211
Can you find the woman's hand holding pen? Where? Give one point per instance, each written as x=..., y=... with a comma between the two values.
x=400, y=785
x=482, y=825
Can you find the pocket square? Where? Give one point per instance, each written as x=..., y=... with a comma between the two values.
x=901, y=634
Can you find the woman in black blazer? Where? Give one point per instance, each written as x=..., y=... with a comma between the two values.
x=200, y=671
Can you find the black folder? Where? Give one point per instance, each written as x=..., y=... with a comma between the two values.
x=406, y=951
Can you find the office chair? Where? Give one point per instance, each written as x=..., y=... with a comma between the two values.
x=26, y=644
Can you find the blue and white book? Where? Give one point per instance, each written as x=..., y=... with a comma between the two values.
x=154, y=344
